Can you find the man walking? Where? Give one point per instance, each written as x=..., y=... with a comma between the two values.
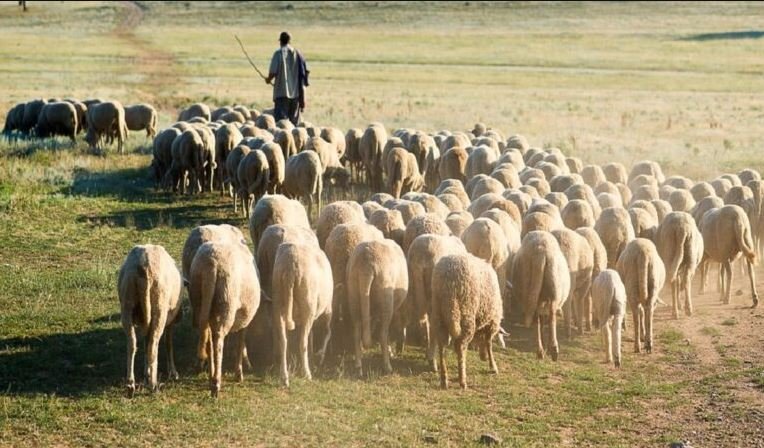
x=290, y=73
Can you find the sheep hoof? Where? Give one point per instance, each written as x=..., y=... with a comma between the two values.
x=215, y=390
x=539, y=354
x=755, y=301
x=555, y=353
x=130, y=390
x=463, y=386
x=173, y=375
x=444, y=384
x=617, y=363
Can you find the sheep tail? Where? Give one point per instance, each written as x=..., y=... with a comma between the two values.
x=644, y=281
x=536, y=282
x=672, y=267
x=288, y=308
x=745, y=242
x=143, y=286
x=365, y=291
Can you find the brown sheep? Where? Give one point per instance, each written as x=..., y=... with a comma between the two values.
x=149, y=287
x=372, y=142
x=253, y=175
x=390, y=223
x=403, y=173
x=334, y=214
x=302, y=294
x=141, y=116
x=466, y=304
x=226, y=139
x=377, y=286
x=643, y=274
x=421, y=225
x=106, y=120
x=58, y=118
x=680, y=245
x=726, y=234
x=539, y=288
x=224, y=288
x=194, y=110
x=273, y=236
x=457, y=222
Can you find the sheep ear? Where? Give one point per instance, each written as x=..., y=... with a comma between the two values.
x=185, y=282
x=509, y=285
x=503, y=332
x=264, y=297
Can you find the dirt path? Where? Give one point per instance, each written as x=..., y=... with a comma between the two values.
x=156, y=65
x=725, y=406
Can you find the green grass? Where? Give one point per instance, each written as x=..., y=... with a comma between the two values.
x=618, y=81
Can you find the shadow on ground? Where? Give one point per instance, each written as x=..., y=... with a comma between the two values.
x=730, y=35
x=182, y=216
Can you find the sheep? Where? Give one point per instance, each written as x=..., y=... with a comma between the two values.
x=353, y=153
x=162, y=151
x=409, y=209
x=226, y=139
x=244, y=111
x=481, y=160
x=580, y=258
x=703, y=206
x=662, y=208
x=106, y=119
x=609, y=309
x=424, y=253
x=747, y=174
x=14, y=120
x=681, y=201
x=540, y=186
x=194, y=110
x=369, y=207
x=275, y=209
x=510, y=228
x=224, y=288
x=430, y=203
x=538, y=221
x=421, y=145
x=562, y=182
x=286, y=141
x=149, y=287
x=303, y=179
x=204, y=234
x=679, y=182
x=485, y=239
x=334, y=214
x=557, y=199
x=300, y=136
x=265, y=252
x=701, y=190
x=265, y=121
x=607, y=200
x=423, y=224
x=577, y=213
x=209, y=165
x=141, y=116
x=643, y=274
x=57, y=119
x=518, y=142
x=721, y=186
x=574, y=164
x=277, y=165
x=253, y=175
x=726, y=234
x=492, y=200
x=30, y=116
x=584, y=192
x=593, y=175
x=451, y=201
x=615, y=173
x=646, y=167
x=232, y=168
x=372, y=142
x=377, y=286
x=457, y=222
x=403, y=173
x=454, y=187
x=452, y=163
x=302, y=294
x=466, y=304
x=615, y=230
x=539, y=288
x=335, y=138
x=233, y=116
x=599, y=260
x=680, y=246
x=390, y=223
x=485, y=185
x=643, y=222
x=507, y=176
x=187, y=162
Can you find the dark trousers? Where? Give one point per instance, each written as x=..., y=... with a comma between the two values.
x=288, y=108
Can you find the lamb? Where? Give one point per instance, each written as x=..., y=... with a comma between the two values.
x=57, y=119
x=106, y=119
x=253, y=175
x=195, y=110
x=227, y=137
x=303, y=179
x=141, y=116
x=390, y=223
x=377, y=285
x=275, y=209
x=466, y=304
x=149, y=287
x=615, y=230
x=609, y=308
x=334, y=214
x=403, y=173
x=224, y=288
x=372, y=142
x=726, y=234
x=539, y=288
x=423, y=224
x=265, y=253
x=302, y=294
x=680, y=246
x=643, y=274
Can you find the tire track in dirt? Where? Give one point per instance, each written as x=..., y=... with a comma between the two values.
x=157, y=66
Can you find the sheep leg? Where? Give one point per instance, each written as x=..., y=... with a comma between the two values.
x=357, y=347
x=172, y=372
x=491, y=359
x=442, y=363
x=327, y=318
x=132, y=345
x=384, y=335
x=218, y=340
x=616, y=347
x=554, y=347
x=675, y=298
x=461, y=356
x=240, y=354
x=567, y=311
x=210, y=353
x=637, y=328
x=703, y=275
x=280, y=340
x=688, y=295
x=728, y=275
x=607, y=341
x=588, y=311
x=539, y=338
x=152, y=354
x=752, y=278
x=649, y=327
x=304, y=338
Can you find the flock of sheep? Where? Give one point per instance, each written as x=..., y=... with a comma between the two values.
x=103, y=121
x=462, y=231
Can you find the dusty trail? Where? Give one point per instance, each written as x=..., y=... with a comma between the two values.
x=156, y=65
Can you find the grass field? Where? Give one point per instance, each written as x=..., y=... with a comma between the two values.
x=678, y=83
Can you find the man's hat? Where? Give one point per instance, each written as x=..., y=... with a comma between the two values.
x=284, y=37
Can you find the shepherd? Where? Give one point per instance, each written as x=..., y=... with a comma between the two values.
x=290, y=72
